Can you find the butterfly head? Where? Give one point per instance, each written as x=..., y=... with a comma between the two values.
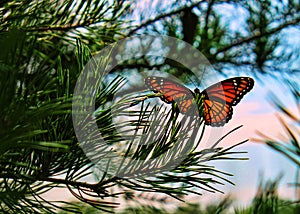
x=197, y=91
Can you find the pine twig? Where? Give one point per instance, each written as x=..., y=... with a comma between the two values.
x=257, y=36
x=148, y=22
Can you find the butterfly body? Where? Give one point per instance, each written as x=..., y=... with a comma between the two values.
x=218, y=98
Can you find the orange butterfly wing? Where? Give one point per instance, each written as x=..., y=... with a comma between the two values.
x=219, y=98
x=171, y=92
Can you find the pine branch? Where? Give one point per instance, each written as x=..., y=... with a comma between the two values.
x=56, y=28
x=260, y=35
x=79, y=184
x=159, y=17
x=209, y=10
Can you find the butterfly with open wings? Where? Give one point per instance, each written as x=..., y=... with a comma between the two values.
x=218, y=98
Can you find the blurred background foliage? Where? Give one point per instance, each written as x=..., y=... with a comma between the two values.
x=266, y=201
x=46, y=44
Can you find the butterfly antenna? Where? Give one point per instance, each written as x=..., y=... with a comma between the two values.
x=192, y=80
x=196, y=80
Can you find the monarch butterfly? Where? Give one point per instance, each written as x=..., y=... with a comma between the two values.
x=218, y=98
